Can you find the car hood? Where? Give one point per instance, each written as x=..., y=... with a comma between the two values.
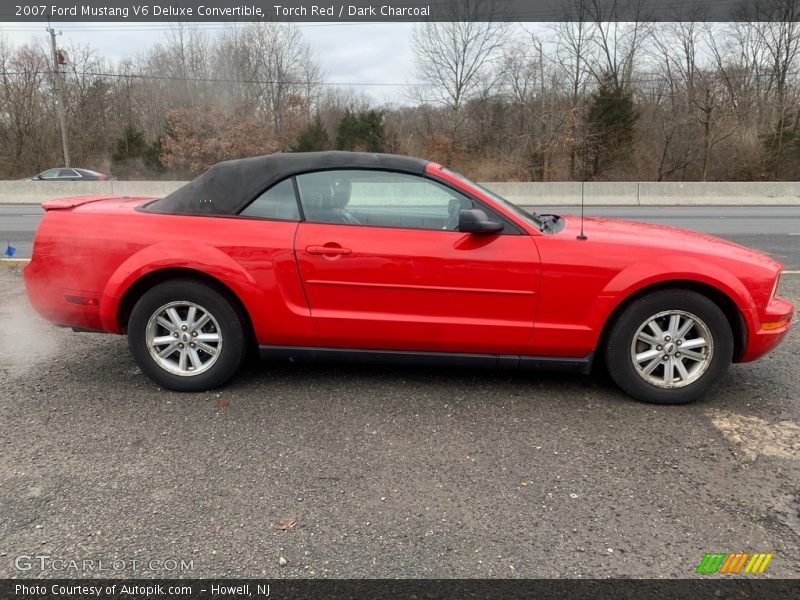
x=650, y=236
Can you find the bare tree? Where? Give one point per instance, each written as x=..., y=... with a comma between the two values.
x=274, y=65
x=574, y=55
x=535, y=116
x=709, y=109
x=25, y=119
x=457, y=61
x=618, y=42
x=183, y=64
x=780, y=37
x=675, y=50
x=497, y=105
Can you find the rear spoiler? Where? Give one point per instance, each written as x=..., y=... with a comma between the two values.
x=68, y=203
x=75, y=201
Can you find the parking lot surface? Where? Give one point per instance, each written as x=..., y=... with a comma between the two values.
x=356, y=471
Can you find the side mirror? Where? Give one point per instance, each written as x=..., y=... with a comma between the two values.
x=475, y=220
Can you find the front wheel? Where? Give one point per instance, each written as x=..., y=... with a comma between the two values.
x=186, y=336
x=669, y=347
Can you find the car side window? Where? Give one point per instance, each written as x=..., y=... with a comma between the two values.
x=278, y=203
x=380, y=199
x=67, y=173
x=50, y=174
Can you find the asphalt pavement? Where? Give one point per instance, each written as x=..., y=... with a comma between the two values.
x=775, y=230
x=356, y=471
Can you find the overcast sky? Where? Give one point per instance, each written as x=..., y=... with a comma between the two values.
x=354, y=52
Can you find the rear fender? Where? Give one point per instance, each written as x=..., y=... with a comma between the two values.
x=196, y=256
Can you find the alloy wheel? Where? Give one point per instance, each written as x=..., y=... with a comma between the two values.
x=672, y=349
x=183, y=338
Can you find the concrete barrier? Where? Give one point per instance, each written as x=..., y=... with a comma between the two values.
x=567, y=193
x=13, y=264
x=596, y=193
x=524, y=193
x=744, y=193
x=36, y=192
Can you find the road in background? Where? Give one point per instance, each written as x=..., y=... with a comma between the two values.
x=18, y=224
x=773, y=229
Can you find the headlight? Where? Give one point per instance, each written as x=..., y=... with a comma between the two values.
x=775, y=286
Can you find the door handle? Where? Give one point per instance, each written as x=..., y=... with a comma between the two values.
x=328, y=250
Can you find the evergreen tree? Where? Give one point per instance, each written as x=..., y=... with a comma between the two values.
x=611, y=119
x=313, y=138
x=152, y=156
x=130, y=145
x=362, y=132
x=132, y=154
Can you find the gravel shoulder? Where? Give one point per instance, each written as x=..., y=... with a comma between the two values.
x=388, y=472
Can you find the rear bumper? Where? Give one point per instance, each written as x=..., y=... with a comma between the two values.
x=63, y=306
x=769, y=326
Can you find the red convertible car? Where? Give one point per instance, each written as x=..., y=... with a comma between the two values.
x=374, y=257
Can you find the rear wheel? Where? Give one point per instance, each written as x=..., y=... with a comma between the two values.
x=186, y=336
x=669, y=347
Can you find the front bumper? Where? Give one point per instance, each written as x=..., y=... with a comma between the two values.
x=768, y=327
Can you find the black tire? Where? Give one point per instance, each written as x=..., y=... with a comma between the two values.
x=619, y=348
x=230, y=324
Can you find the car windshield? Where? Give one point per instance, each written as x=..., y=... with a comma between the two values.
x=530, y=217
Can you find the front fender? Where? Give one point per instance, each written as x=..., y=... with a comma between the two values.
x=646, y=273
x=195, y=256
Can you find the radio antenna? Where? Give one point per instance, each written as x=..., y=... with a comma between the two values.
x=581, y=235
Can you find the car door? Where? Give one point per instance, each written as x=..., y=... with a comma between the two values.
x=383, y=267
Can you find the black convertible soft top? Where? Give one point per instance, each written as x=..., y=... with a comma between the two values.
x=227, y=187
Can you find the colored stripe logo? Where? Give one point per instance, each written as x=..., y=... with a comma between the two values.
x=734, y=563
